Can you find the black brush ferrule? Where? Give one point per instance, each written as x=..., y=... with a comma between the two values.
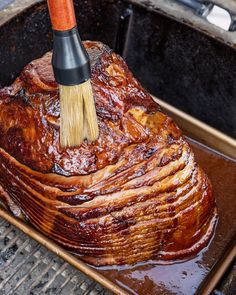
x=70, y=60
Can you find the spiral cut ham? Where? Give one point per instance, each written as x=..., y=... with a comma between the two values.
x=133, y=195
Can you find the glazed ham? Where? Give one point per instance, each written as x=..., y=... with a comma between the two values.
x=133, y=195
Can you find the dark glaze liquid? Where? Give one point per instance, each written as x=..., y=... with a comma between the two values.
x=186, y=276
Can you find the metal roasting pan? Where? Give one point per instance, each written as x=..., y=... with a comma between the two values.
x=214, y=151
x=213, y=261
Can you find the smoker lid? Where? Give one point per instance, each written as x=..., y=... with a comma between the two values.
x=169, y=8
x=174, y=10
x=11, y=8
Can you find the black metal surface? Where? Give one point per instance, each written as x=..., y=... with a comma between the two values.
x=227, y=286
x=22, y=39
x=184, y=67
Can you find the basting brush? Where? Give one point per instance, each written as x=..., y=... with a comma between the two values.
x=72, y=72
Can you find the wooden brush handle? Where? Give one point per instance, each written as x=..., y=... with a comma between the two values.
x=62, y=14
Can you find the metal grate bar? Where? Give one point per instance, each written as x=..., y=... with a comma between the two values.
x=64, y=284
x=61, y=269
x=11, y=271
x=22, y=280
x=26, y=268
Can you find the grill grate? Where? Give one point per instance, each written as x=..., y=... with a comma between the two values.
x=30, y=269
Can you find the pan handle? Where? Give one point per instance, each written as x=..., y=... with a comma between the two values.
x=197, y=7
x=62, y=14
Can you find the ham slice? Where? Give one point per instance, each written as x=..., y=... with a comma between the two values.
x=133, y=195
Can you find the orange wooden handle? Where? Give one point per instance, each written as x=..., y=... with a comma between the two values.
x=62, y=14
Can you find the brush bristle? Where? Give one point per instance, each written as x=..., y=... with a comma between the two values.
x=91, y=123
x=78, y=114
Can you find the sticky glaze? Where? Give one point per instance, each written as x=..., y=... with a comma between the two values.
x=134, y=194
x=185, y=277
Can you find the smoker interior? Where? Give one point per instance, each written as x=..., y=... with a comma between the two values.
x=177, y=63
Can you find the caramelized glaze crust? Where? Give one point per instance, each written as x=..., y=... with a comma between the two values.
x=134, y=194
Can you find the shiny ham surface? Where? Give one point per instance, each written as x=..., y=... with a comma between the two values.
x=133, y=195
